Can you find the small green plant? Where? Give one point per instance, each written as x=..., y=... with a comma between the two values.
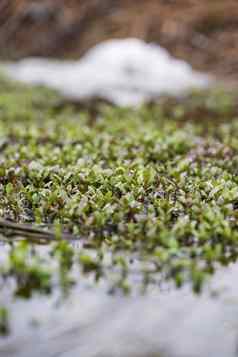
x=155, y=185
x=4, y=322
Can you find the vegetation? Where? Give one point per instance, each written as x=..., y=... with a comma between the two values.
x=150, y=192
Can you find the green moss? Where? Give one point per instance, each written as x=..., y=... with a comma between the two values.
x=4, y=321
x=157, y=185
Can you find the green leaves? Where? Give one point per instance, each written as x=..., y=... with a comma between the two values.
x=29, y=271
x=4, y=321
x=155, y=185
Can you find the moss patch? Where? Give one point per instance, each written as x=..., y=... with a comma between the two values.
x=156, y=186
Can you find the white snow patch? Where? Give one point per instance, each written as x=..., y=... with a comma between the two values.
x=125, y=72
x=92, y=324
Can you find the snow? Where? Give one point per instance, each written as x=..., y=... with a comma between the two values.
x=91, y=323
x=126, y=72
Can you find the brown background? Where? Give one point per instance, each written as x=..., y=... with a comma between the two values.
x=203, y=32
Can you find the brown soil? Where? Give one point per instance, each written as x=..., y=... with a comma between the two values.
x=203, y=32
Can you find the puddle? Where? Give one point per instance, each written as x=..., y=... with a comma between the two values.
x=125, y=72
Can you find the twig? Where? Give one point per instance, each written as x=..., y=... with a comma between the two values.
x=13, y=229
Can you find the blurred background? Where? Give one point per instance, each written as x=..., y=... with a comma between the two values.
x=201, y=32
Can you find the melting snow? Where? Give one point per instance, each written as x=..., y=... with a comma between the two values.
x=172, y=323
x=125, y=72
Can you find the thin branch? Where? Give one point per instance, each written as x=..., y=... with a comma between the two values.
x=12, y=230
